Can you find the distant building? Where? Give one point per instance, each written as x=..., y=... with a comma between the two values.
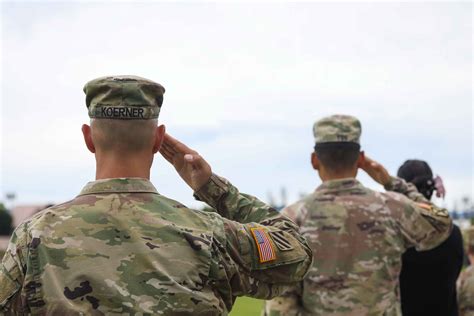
x=22, y=212
x=4, y=242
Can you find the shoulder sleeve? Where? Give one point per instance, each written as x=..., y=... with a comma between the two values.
x=296, y=212
x=408, y=189
x=259, y=249
x=422, y=225
x=288, y=304
x=12, y=269
x=466, y=292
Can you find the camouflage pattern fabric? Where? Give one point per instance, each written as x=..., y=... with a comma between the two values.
x=337, y=128
x=466, y=292
x=466, y=280
x=122, y=248
x=123, y=97
x=358, y=236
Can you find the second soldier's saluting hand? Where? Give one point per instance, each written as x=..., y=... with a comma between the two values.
x=192, y=168
x=376, y=171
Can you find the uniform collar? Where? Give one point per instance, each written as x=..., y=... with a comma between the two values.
x=119, y=185
x=340, y=185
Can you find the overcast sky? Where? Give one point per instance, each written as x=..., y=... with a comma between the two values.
x=244, y=84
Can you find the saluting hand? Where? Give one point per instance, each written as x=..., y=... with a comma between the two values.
x=376, y=171
x=192, y=168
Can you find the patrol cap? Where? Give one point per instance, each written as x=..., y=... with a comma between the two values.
x=123, y=97
x=337, y=129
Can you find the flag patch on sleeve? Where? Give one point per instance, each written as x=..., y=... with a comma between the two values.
x=264, y=245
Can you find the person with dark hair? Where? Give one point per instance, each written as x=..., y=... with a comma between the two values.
x=357, y=235
x=428, y=278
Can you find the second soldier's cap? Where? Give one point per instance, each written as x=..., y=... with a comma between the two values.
x=337, y=129
x=123, y=97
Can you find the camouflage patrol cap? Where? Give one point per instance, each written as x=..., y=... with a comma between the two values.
x=123, y=97
x=337, y=129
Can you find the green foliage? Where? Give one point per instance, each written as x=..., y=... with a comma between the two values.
x=246, y=306
x=5, y=221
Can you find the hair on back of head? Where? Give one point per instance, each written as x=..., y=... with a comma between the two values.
x=123, y=136
x=338, y=157
x=419, y=173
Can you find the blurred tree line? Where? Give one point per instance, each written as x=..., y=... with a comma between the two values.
x=6, y=221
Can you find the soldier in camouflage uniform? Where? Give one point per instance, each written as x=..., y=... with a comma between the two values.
x=466, y=281
x=120, y=247
x=358, y=235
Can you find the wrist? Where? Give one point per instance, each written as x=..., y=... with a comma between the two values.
x=386, y=181
x=197, y=187
x=392, y=184
x=212, y=191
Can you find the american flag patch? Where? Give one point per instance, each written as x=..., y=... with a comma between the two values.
x=265, y=248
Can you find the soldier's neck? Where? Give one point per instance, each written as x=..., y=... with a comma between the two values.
x=108, y=167
x=326, y=175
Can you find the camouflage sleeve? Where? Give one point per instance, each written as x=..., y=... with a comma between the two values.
x=296, y=212
x=423, y=224
x=12, y=271
x=408, y=189
x=466, y=292
x=226, y=199
x=289, y=304
x=260, y=251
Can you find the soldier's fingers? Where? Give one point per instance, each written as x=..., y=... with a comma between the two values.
x=167, y=158
x=168, y=143
x=171, y=141
x=169, y=149
x=182, y=148
x=167, y=155
x=169, y=152
x=177, y=145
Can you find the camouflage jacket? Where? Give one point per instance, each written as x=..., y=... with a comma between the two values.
x=466, y=292
x=122, y=248
x=358, y=236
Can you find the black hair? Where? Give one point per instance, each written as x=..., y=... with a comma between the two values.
x=337, y=156
x=419, y=173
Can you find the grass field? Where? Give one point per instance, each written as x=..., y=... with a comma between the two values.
x=245, y=306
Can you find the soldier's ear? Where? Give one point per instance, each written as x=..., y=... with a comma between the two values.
x=159, y=137
x=314, y=161
x=361, y=160
x=86, y=132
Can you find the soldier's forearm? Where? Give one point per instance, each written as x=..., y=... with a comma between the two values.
x=230, y=203
x=408, y=189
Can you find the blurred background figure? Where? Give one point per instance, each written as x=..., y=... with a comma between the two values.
x=5, y=228
x=428, y=278
x=358, y=235
x=466, y=281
